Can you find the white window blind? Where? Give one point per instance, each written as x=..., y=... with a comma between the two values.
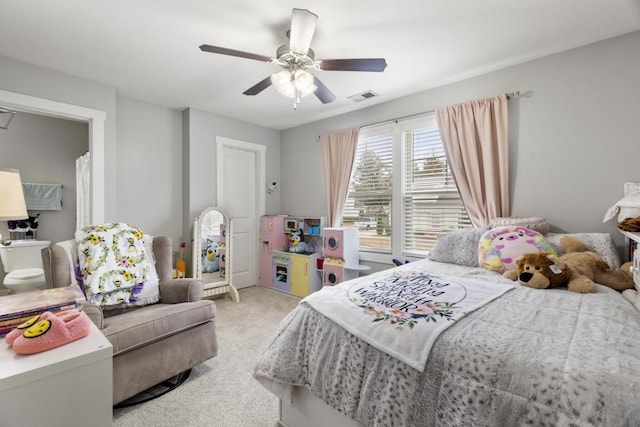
x=368, y=205
x=427, y=200
x=431, y=202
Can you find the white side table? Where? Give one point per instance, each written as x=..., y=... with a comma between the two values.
x=66, y=386
x=629, y=237
x=633, y=237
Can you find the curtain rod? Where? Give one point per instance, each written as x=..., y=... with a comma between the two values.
x=509, y=95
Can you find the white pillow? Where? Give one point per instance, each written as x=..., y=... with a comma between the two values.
x=534, y=223
x=458, y=247
x=601, y=243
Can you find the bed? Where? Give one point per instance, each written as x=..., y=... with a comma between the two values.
x=523, y=357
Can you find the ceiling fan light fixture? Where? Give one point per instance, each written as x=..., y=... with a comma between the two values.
x=282, y=82
x=293, y=84
x=303, y=82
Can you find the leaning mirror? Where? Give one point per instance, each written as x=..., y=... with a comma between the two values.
x=211, y=250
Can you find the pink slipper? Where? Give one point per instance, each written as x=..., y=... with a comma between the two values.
x=15, y=333
x=51, y=332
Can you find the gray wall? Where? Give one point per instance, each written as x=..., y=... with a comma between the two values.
x=574, y=134
x=200, y=130
x=148, y=184
x=27, y=79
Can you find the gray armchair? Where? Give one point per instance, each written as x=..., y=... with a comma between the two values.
x=152, y=343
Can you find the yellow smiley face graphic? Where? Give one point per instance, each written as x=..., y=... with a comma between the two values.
x=29, y=322
x=38, y=329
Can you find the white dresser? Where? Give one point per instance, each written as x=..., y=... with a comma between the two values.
x=66, y=386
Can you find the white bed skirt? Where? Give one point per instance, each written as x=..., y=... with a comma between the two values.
x=306, y=410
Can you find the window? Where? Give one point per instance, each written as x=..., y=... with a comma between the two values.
x=408, y=157
x=369, y=202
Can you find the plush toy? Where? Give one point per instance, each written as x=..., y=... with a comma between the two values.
x=211, y=258
x=578, y=269
x=297, y=242
x=630, y=224
x=499, y=247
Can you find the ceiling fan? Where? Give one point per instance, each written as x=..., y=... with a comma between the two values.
x=296, y=58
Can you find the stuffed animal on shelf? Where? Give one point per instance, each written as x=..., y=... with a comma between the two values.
x=211, y=257
x=578, y=269
x=297, y=245
x=630, y=224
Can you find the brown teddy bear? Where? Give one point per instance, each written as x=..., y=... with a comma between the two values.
x=579, y=269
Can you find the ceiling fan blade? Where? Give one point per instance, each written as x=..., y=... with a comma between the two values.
x=233, y=52
x=360, y=64
x=303, y=25
x=322, y=92
x=258, y=87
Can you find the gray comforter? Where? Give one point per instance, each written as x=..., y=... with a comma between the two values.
x=531, y=357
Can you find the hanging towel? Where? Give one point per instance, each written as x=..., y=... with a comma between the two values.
x=42, y=197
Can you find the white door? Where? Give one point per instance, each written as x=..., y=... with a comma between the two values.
x=240, y=182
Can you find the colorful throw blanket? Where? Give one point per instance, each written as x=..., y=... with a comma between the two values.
x=115, y=264
x=403, y=311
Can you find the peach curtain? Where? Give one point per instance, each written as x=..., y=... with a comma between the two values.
x=338, y=152
x=475, y=139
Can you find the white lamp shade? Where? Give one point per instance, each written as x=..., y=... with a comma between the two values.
x=283, y=83
x=304, y=83
x=12, y=204
x=287, y=83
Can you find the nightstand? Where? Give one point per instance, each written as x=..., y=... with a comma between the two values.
x=70, y=385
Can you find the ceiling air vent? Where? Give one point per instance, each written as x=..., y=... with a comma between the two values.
x=362, y=96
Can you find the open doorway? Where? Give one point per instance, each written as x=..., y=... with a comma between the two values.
x=44, y=149
x=95, y=120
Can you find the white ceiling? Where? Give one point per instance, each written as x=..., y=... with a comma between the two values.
x=148, y=49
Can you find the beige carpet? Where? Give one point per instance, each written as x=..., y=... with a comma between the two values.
x=222, y=392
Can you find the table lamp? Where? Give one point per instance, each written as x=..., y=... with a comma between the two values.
x=12, y=204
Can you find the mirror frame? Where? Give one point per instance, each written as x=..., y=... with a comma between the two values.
x=223, y=285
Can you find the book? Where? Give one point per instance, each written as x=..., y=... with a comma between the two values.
x=8, y=325
x=23, y=304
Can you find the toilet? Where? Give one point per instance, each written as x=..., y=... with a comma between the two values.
x=22, y=264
